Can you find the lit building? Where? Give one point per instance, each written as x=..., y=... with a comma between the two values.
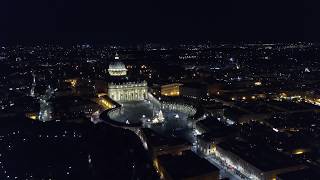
x=117, y=68
x=171, y=89
x=128, y=91
x=256, y=163
x=122, y=89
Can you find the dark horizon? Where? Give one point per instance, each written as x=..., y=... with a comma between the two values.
x=135, y=22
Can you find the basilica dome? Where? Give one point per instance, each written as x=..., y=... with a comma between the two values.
x=117, y=68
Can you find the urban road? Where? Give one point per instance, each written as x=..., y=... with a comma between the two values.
x=225, y=171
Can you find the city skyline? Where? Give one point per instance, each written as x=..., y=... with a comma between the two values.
x=159, y=90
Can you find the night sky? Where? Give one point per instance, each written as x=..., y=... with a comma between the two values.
x=161, y=21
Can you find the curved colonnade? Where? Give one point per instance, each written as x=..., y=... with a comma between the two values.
x=110, y=115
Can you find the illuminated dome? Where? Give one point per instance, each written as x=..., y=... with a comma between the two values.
x=117, y=68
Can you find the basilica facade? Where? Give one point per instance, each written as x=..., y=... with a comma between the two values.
x=129, y=91
x=122, y=89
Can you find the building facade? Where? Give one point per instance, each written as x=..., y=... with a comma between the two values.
x=120, y=90
x=130, y=91
x=171, y=89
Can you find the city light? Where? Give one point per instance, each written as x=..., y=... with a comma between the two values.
x=244, y=109
x=299, y=151
x=73, y=82
x=258, y=83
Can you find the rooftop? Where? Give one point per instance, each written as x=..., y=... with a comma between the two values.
x=186, y=165
x=306, y=174
x=156, y=140
x=212, y=124
x=258, y=156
